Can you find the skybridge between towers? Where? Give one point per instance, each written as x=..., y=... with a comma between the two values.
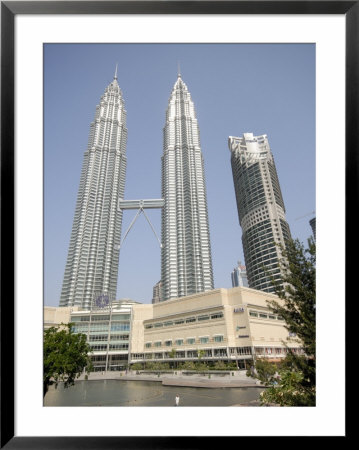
x=140, y=205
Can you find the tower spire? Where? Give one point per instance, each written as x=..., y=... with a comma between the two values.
x=115, y=77
x=178, y=70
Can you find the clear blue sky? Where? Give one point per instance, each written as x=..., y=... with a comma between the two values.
x=236, y=88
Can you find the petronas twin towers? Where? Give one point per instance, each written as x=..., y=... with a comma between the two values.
x=186, y=253
x=92, y=263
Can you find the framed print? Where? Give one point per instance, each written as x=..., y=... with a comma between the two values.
x=30, y=31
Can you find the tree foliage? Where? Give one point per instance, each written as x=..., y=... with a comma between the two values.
x=201, y=353
x=157, y=365
x=298, y=294
x=265, y=372
x=136, y=366
x=296, y=380
x=290, y=391
x=188, y=365
x=65, y=356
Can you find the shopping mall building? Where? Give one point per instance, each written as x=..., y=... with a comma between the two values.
x=223, y=324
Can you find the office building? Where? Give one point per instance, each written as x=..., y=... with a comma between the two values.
x=239, y=276
x=261, y=209
x=108, y=333
x=230, y=325
x=92, y=261
x=54, y=317
x=186, y=263
x=157, y=292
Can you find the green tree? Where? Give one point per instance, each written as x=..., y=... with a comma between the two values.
x=298, y=294
x=137, y=366
x=265, y=371
x=150, y=365
x=296, y=381
x=220, y=365
x=66, y=355
x=201, y=365
x=292, y=390
x=188, y=365
x=172, y=355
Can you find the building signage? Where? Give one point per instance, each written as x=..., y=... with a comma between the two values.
x=238, y=310
x=102, y=300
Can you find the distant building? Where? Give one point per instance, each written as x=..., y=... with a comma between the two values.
x=312, y=224
x=239, y=276
x=157, y=295
x=261, y=209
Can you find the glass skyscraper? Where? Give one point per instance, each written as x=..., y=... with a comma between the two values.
x=186, y=263
x=260, y=208
x=239, y=276
x=92, y=261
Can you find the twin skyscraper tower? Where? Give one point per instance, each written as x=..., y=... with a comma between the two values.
x=186, y=264
x=92, y=263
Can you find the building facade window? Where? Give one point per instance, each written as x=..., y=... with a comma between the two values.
x=218, y=315
x=201, y=318
x=190, y=319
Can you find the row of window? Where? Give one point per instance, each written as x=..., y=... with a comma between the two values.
x=103, y=347
x=101, y=327
x=276, y=350
x=110, y=358
x=100, y=318
x=262, y=315
x=192, y=319
x=189, y=341
x=104, y=337
x=207, y=353
x=233, y=351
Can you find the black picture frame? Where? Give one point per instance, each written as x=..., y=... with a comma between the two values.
x=9, y=9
